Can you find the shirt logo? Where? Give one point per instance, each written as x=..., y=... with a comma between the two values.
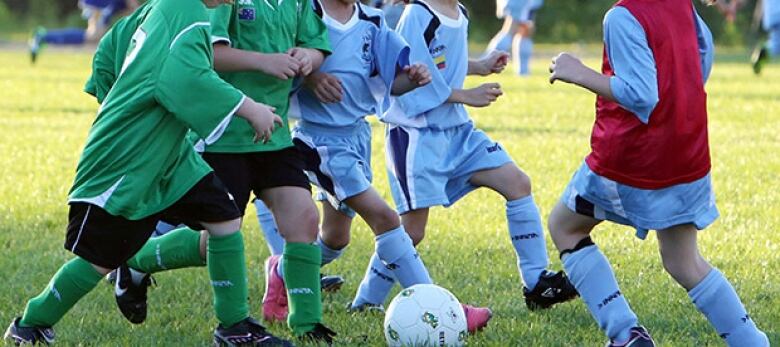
x=247, y=13
x=366, y=48
x=439, y=56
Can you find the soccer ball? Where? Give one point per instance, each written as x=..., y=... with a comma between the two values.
x=425, y=315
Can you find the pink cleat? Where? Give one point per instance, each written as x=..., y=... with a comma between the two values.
x=275, y=298
x=477, y=318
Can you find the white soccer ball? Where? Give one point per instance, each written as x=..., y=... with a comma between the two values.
x=425, y=315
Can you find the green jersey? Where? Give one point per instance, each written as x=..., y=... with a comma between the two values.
x=266, y=26
x=110, y=53
x=137, y=160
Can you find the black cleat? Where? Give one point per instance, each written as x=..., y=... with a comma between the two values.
x=552, y=289
x=320, y=334
x=111, y=277
x=759, y=59
x=131, y=297
x=19, y=335
x=247, y=332
x=639, y=337
x=367, y=308
x=331, y=283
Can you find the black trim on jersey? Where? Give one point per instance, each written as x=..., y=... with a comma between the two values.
x=464, y=11
x=376, y=20
x=430, y=31
x=317, y=7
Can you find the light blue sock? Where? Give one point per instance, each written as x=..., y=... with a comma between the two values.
x=592, y=275
x=523, y=57
x=396, y=250
x=376, y=284
x=328, y=254
x=69, y=36
x=500, y=43
x=527, y=235
x=716, y=299
x=267, y=223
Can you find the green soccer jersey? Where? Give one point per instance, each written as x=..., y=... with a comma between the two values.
x=137, y=160
x=266, y=26
x=110, y=53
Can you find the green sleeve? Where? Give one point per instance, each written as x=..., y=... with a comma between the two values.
x=312, y=32
x=191, y=90
x=103, y=68
x=220, y=23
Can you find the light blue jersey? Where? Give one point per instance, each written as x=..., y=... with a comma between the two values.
x=771, y=14
x=366, y=56
x=635, y=87
x=442, y=44
x=519, y=10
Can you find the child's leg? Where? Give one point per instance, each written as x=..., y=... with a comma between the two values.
x=335, y=233
x=378, y=280
x=503, y=39
x=180, y=248
x=227, y=271
x=590, y=272
x=774, y=41
x=709, y=290
x=523, y=46
x=525, y=224
x=68, y=36
x=273, y=238
x=72, y=281
x=297, y=218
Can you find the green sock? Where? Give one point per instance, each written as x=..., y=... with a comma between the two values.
x=227, y=269
x=177, y=249
x=302, y=277
x=72, y=281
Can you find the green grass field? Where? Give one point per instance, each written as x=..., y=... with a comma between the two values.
x=46, y=116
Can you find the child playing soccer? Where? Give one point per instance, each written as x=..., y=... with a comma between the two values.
x=649, y=167
x=436, y=155
x=165, y=88
x=517, y=33
x=771, y=48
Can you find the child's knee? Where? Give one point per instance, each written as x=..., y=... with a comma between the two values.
x=520, y=186
x=687, y=270
x=335, y=237
x=385, y=220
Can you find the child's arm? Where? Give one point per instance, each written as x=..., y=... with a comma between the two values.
x=326, y=87
x=411, y=77
x=481, y=96
x=495, y=62
x=280, y=65
x=308, y=59
x=635, y=82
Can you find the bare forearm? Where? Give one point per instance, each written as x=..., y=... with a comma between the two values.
x=228, y=59
x=316, y=58
x=477, y=67
x=458, y=96
x=595, y=82
x=402, y=85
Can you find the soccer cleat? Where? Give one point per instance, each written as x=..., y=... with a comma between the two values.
x=131, y=297
x=331, y=283
x=275, y=297
x=36, y=43
x=550, y=290
x=247, y=332
x=477, y=318
x=366, y=307
x=319, y=334
x=759, y=59
x=639, y=337
x=111, y=277
x=19, y=335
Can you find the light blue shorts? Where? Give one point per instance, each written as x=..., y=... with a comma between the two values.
x=774, y=41
x=519, y=10
x=429, y=167
x=338, y=160
x=601, y=198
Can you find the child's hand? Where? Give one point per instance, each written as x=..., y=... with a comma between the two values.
x=326, y=87
x=418, y=74
x=483, y=95
x=261, y=117
x=279, y=65
x=496, y=62
x=304, y=60
x=566, y=68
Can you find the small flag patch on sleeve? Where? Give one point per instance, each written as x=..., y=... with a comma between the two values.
x=441, y=62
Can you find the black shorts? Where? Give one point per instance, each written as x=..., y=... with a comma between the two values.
x=244, y=173
x=109, y=241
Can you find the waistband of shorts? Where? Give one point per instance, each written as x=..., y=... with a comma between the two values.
x=357, y=128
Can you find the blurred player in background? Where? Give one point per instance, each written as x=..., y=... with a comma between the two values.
x=517, y=34
x=98, y=13
x=393, y=12
x=770, y=48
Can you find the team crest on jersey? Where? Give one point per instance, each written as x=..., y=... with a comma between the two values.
x=439, y=54
x=365, y=48
x=247, y=13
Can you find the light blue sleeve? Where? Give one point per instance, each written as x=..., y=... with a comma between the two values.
x=635, y=83
x=706, y=46
x=391, y=54
x=436, y=93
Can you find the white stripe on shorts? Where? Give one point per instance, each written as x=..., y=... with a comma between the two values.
x=81, y=229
